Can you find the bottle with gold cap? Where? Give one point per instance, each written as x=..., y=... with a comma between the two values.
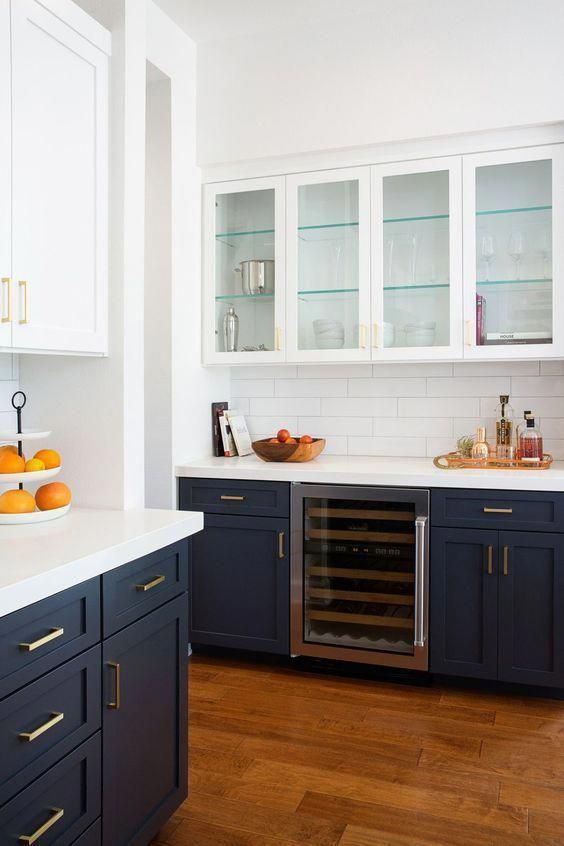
x=481, y=450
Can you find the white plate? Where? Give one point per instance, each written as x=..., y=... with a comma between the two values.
x=33, y=516
x=35, y=476
x=12, y=437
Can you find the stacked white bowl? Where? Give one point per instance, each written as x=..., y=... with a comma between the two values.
x=329, y=334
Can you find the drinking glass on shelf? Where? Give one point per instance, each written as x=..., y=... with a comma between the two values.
x=414, y=249
x=545, y=250
x=388, y=260
x=516, y=250
x=487, y=251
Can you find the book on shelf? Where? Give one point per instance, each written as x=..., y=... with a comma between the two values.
x=229, y=448
x=217, y=409
x=240, y=432
x=519, y=338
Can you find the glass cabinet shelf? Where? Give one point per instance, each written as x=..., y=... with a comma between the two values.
x=482, y=283
x=256, y=297
x=422, y=287
x=514, y=211
x=250, y=232
x=416, y=218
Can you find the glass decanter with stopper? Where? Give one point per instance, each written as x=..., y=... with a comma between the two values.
x=504, y=447
x=481, y=450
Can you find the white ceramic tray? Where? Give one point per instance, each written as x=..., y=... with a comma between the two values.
x=33, y=516
x=12, y=437
x=29, y=478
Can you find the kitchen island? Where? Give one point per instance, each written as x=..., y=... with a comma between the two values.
x=93, y=676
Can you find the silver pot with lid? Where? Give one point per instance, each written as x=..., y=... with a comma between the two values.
x=257, y=276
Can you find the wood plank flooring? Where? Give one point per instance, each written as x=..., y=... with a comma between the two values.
x=281, y=757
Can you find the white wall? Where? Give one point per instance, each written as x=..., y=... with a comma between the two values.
x=409, y=70
x=9, y=384
x=398, y=409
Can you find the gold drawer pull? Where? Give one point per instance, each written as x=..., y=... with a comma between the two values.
x=28, y=736
x=281, y=552
x=23, y=284
x=497, y=510
x=8, y=282
x=116, y=704
x=53, y=635
x=233, y=498
x=56, y=815
x=158, y=580
x=490, y=560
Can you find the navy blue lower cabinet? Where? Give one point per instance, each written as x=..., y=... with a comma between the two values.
x=240, y=583
x=531, y=608
x=145, y=682
x=463, y=602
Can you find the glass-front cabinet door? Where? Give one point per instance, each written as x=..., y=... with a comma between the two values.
x=417, y=260
x=328, y=265
x=512, y=255
x=244, y=253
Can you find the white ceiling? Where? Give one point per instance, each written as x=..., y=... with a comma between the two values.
x=211, y=20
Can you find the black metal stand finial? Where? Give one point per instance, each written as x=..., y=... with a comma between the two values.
x=18, y=405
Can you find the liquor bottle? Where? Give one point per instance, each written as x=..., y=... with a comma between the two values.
x=518, y=429
x=504, y=429
x=481, y=450
x=530, y=443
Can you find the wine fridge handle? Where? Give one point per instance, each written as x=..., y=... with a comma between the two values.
x=420, y=581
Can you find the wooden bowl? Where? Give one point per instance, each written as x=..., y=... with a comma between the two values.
x=288, y=452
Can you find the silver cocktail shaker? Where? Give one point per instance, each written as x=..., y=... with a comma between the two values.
x=230, y=330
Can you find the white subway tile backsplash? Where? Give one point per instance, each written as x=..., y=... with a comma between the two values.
x=387, y=446
x=361, y=406
x=311, y=388
x=8, y=367
x=387, y=387
x=334, y=371
x=397, y=409
x=7, y=389
x=286, y=405
x=468, y=386
x=537, y=386
x=323, y=426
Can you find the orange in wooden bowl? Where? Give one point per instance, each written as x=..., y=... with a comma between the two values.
x=296, y=452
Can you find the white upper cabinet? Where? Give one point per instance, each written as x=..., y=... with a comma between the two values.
x=513, y=219
x=59, y=107
x=5, y=180
x=417, y=260
x=244, y=277
x=328, y=265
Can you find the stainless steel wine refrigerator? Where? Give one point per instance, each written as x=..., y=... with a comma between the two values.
x=360, y=574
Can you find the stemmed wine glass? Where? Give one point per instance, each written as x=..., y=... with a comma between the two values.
x=516, y=250
x=545, y=249
x=488, y=252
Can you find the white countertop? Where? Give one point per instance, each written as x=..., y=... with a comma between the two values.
x=40, y=560
x=366, y=470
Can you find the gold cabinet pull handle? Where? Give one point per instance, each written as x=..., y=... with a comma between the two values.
x=28, y=736
x=278, y=341
x=23, y=284
x=488, y=510
x=53, y=635
x=7, y=318
x=468, y=333
x=116, y=704
x=56, y=815
x=505, y=560
x=232, y=498
x=490, y=560
x=375, y=342
x=158, y=580
x=281, y=551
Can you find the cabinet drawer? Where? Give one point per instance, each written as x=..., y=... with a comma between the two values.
x=92, y=836
x=233, y=496
x=42, y=722
x=61, y=804
x=43, y=635
x=131, y=591
x=528, y=511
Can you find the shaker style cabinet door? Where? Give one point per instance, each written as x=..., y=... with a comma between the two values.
x=144, y=737
x=328, y=265
x=240, y=583
x=531, y=608
x=6, y=285
x=244, y=275
x=514, y=253
x=59, y=182
x=417, y=260
x=464, y=588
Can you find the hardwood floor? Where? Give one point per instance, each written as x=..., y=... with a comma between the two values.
x=280, y=757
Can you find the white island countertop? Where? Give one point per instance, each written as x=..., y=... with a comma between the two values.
x=368, y=470
x=37, y=561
